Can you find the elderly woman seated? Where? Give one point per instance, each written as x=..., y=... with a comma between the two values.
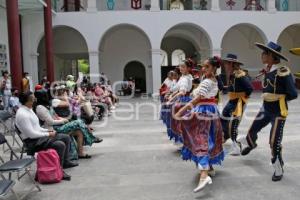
x=75, y=128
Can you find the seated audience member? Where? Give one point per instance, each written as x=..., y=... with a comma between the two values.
x=61, y=105
x=75, y=128
x=14, y=102
x=37, y=138
x=100, y=108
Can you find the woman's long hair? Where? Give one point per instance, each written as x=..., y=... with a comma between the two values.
x=42, y=98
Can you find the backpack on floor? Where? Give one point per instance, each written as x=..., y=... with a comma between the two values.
x=48, y=167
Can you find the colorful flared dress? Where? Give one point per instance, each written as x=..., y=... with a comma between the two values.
x=202, y=130
x=174, y=131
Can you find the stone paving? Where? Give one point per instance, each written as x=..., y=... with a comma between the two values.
x=136, y=161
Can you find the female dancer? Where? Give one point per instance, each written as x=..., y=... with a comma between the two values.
x=201, y=125
x=180, y=97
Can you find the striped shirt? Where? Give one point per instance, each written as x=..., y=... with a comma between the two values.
x=207, y=88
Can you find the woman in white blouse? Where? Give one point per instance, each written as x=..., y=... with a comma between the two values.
x=202, y=130
x=179, y=97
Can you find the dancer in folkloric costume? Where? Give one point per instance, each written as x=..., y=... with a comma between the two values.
x=163, y=92
x=167, y=115
x=180, y=97
x=201, y=125
x=239, y=89
x=278, y=89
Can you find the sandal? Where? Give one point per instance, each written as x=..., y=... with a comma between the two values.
x=86, y=156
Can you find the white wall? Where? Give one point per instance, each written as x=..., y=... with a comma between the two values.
x=290, y=39
x=68, y=45
x=170, y=44
x=94, y=25
x=121, y=46
x=4, y=35
x=240, y=41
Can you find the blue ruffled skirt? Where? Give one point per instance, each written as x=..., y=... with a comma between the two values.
x=202, y=136
x=174, y=126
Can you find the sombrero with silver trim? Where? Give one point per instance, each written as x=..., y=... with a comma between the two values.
x=272, y=47
x=232, y=58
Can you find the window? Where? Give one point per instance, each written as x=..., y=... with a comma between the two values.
x=177, y=57
x=164, y=57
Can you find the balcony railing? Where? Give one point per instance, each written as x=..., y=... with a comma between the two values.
x=133, y=5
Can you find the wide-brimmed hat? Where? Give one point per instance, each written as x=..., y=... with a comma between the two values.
x=232, y=58
x=272, y=47
x=295, y=51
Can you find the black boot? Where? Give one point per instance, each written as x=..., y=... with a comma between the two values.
x=246, y=148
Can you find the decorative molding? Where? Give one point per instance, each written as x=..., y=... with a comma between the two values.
x=34, y=55
x=93, y=53
x=156, y=51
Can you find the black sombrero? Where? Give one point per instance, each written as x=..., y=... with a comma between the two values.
x=272, y=47
x=232, y=58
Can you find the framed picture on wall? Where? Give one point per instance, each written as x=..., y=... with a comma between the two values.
x=3, y=56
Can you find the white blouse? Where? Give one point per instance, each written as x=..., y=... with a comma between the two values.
x=207, y=88
x=185, y=83
x=168, y=82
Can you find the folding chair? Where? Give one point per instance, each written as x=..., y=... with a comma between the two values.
x=6, y=186
x=17, y=166
x=4, y=117
x=24, y=148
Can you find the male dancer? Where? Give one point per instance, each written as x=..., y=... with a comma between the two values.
x=278, y=89
x=239, y=89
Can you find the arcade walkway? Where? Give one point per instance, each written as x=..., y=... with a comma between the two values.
x=136, y=161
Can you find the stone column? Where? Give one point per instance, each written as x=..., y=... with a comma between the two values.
x=94, y=66
x=272, y=6
x=156, y=70
x=14, y=42
x=49, y=41
x=215, y=5
x=92, y=6
x=155, y=5
x=34, y=68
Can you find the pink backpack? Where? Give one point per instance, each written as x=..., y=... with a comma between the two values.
x=48, y=167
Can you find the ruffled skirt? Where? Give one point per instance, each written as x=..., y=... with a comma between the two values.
x=175, y=126
x=202, y=136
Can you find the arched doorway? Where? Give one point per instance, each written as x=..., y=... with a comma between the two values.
x=119, y=46
x=240, y=39
x=183, y=41
x=289, y=38
x=136, y=70
x=70, y=53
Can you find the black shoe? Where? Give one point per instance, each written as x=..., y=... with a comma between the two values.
x=276, y=178
x=98, y=140
x=70, y=165
x=246, y=151
x=86, y=156
x=66, y=177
